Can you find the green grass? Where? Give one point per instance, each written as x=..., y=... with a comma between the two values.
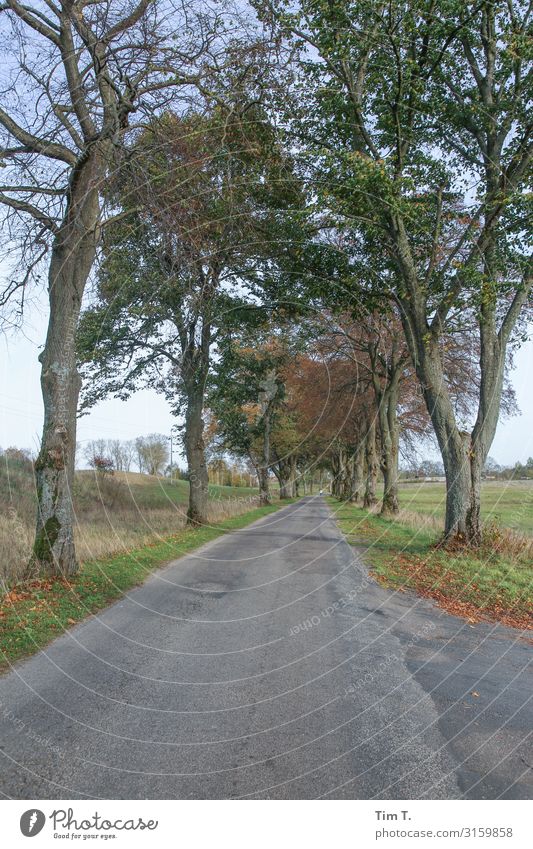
x=492, y=582
x=509, y=503
x=34, y=614
x=150, y=492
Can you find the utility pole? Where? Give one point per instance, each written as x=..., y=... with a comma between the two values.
x=173, y=436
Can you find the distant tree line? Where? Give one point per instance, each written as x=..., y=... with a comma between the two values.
x=148, y=454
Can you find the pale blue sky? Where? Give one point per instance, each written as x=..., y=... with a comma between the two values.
x=147, y=412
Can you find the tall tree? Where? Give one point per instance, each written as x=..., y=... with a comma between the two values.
x=78, y=72
x=202, y=196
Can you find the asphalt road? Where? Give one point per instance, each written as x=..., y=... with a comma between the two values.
x=268, y=665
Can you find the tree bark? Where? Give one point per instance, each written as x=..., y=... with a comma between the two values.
x=284, y=471
x=348, y=479
x=370, y=497
x=492, y=362
x=73, y=255
x=264, y=485
x=197, y=513
x=357, y=473
x=390, y=445
x=293, y=476
x=454, y=445
x=194, y=371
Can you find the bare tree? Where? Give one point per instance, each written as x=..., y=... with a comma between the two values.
x=128, y=454
x=80, y=71
x=95, y=448
x=152, y=453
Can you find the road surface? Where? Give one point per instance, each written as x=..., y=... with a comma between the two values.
x=268, y=665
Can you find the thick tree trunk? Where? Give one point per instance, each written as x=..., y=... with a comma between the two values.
x=197, y=513
x=284, y=471
x=285, y=489
x=335, y=474
x=293, y=477
x=370, y=497
x=455, y=445
x=342, y=487
x=390, y=439
x=348, y=479
x=264, y=485
x=73, y=254
x=194, y=370
x=492, y=358
x=463, y=455
x=358, y=473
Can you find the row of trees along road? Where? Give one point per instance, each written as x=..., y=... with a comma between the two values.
x=311, y=217
x=415, y=118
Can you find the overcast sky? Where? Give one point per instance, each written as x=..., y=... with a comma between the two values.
x=146, y=412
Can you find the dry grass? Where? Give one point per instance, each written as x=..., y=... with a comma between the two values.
x=16, y=537
x=113, y=515
x=496, y=539
x=125, y=531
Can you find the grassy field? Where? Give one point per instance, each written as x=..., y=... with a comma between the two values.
x=494, y=582
x=508, y=503
x=33, y=614
x=113, y=513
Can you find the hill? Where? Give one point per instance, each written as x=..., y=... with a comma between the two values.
x=113, y=513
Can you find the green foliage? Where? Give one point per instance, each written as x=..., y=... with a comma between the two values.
x=400, y=109
x=250, y=367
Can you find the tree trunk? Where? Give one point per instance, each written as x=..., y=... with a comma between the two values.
x=264, y=485
x=264, y=468
x=357, y=473
x=492, y=361
x=463, y=455
x=73, y=254
x=334, y=474
x=285, y=488
x=197, y=513
x=348, y=479
x=370, y=497
x=340, y=473
x=293, y=477
x=454, y=445
x=390, y=439
x=283, y=470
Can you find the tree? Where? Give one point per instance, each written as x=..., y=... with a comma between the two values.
x=246, y=396
x=152, y=453
x=403, y=107
x=79, y=72
x=203, y=196
x=95, y=448
x=373, y=342
x=334, y=411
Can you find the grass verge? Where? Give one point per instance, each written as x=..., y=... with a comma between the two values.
x=494, y=582
x=33, y=614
